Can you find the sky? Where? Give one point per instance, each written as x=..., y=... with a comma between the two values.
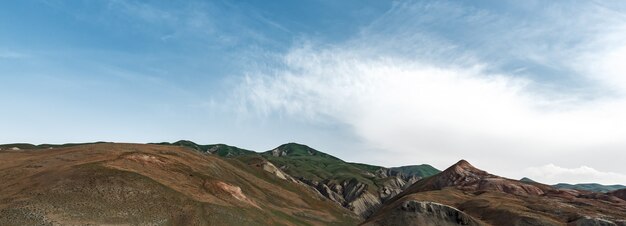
x=518, y=88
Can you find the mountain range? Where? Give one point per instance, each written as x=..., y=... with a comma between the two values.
x=184, y=183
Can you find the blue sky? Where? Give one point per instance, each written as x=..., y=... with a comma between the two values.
x=529, y=88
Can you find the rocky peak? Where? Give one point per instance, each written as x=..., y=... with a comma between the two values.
x=464, y=176
x=464, y=167
x=460, y=174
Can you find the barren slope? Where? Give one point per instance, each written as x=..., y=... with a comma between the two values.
x=496, y=200
x=151, y=184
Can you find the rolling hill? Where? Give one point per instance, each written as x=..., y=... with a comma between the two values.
x=184, y=183
x=151, y=184
x=590, y=187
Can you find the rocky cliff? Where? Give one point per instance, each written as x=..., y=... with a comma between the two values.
x=425, y=213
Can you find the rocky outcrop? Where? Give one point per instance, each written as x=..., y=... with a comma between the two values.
x=271, y=168
x=357, y=196
x=425, y=213
x=351, y=194
x=594, y=221
x=279, y=152
x=394, y=185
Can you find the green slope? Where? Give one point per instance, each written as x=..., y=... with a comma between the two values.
x=222, y=150
x=302, y=161
x=590, y=187
x=423, y=170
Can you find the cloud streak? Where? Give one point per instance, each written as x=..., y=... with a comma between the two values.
x=553, y=174
x=422, y=98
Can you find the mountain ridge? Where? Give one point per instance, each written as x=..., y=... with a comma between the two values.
x=494, y=200
x=221, y=175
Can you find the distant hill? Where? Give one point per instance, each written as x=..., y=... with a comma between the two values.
x=217, y=149
x=423, y=170
x=594, y=187
x=528, y=180
x=26, y=146
x=590, y=187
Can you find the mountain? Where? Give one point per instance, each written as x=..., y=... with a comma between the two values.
x=143, y=184
x=360, y=188
x=423, y=170
x=216, y=149
x=590, y=187
x=184, y=183
x=466, y=194
x=594, y=187
x=527, y=180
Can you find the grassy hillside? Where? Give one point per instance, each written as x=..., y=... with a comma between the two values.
x=141, y=184
x=301, y=161
x=423, y=170
x=218, y=149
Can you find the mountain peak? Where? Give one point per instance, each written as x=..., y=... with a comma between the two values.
x=464, y=168
x=464, y=176
x=463, y=164
x=527, y=180
x=295, y=149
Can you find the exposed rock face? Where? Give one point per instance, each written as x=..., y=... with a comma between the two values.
x=236, y=192
x=350, y=194
x=496, y=200
x=359, y=197
x=269, y=167
x=425, y=213
x=591, y=221
x=278, y=152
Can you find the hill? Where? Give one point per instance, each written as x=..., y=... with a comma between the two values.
x=621, y=193
x=464, y=194
x=590, y=187
x=151, y=184
x=216, y=149
x=360, y=188
x=423, y=170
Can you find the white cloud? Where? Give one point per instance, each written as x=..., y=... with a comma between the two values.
x=419, y=107
x=553, y=174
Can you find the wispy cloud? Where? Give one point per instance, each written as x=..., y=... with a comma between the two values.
x=553, y=174
x=422, y=96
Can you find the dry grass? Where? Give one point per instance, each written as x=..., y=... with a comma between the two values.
x=150, y=185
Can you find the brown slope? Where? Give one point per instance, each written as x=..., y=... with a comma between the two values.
x=495, y=200
x=150, y=184
x=464, y=176
x=619, y=193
